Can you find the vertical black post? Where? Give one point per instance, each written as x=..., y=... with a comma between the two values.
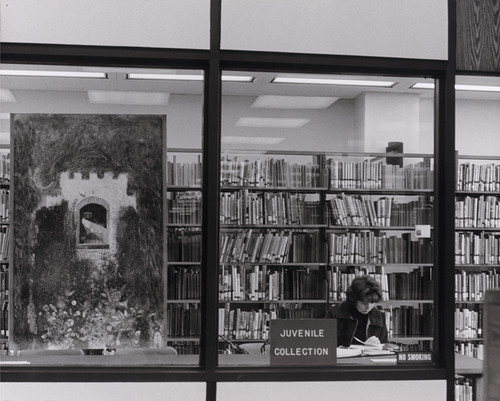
x=445, y=186
x=210, y=206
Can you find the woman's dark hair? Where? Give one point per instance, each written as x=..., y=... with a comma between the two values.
x=364, y=288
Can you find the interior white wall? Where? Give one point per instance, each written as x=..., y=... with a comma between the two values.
x=393, y=117
x=385, y=28
x=434, y=390
x=366, y=123
x=329, y=129
x=478, y=127
x=188, y=391
x=152, y=23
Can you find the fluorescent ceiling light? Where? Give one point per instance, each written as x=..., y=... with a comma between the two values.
x=293, y=102
x=166, y=77
x=258, y=122
x=132, y=98
x=477, y=88
x=187, y=77
x=55, y=74
x=237, y=78
x=423, y=85
x=251, y=140
x=7, y=96
x=330, y=81
x=458, y=87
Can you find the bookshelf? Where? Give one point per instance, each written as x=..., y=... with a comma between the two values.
x=295, y=229
x=477, y=247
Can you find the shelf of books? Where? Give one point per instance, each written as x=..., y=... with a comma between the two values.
x=295, y=229
x=477, y=247
x=4, y=249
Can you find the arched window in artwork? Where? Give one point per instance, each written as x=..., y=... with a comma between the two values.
x=93, y=224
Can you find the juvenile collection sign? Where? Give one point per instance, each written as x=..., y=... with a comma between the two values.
x=303, y=342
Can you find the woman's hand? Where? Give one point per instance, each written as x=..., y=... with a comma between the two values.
x=374, y=341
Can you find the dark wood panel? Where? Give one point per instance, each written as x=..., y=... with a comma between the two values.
x=478, y=35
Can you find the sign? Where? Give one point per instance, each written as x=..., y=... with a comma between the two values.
x=301, y=342
x=423, y=231
x=409, y=357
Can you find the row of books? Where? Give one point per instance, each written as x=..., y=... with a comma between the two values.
x=378, y=175
x=469, y=322
x=482, y=211
x=183, y=282
x=272, y=172
x=320, y=173
x=184, y=207
x=283, y=208
x=236, y=324
x=4, y=204
x=183, y=320
x=184, y=245
x=464, y=389
x=416, y=284
x=472, y=349
x=280, y=284
x=239, y=324
x=357, y=210
x=478, y=177
x=184, y=173
x=4, y=318
x=408, y=321
x=4, y=167
x=185, y=347
x=473, y=248
x=280, y=246
x=370, y=247
x=4, y=243
x=472, y=286
x=270, y=284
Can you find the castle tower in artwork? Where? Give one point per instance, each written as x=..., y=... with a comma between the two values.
x=94, y=203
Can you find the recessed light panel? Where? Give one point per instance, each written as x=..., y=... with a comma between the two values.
x=53, y=74
x=331, y=81
x=293, y=102
x=259, y=122
x=251, y=140
x=186, y=77
x=132, y=98
x=477, y=88
x=423, y=85
x=166, y=77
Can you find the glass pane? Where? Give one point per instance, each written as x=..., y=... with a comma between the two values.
x=96, y=240
x=477, y=212
x=325, y=181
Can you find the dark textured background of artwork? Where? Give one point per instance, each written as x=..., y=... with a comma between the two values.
x=46, y=269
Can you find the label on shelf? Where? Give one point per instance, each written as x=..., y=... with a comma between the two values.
x=423, y=231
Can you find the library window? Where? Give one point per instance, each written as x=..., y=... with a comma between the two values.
x=326, y=220
x=477, y=222
x=106, y=264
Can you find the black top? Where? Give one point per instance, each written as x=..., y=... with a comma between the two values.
x=362, y=319
x=347, y=324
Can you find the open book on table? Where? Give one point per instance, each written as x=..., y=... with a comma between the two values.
x=366, y=350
